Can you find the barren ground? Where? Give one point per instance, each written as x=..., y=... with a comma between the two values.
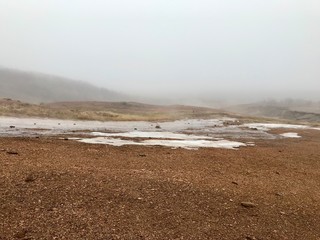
x=105, y=111
x=56, y=189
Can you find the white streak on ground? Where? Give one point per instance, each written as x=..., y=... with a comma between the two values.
x=138, y=134
x=269, y=126
x=187, y=144
x=290, y=135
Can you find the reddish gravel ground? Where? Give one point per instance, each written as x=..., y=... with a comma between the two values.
x=56, y=189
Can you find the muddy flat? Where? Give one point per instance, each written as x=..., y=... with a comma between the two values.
x=56, y=189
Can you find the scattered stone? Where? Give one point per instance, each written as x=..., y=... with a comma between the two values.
x=276, y=172
x=248, y=204
x=12, y=152
x=12, y=126
x=250, y=238
x=34, y=124
x=235, y=183
x=142, y=155
x=279, y=194
x=21, y=234
x=158, y=126
x=30, y=178
x=66, y=139
x=135, y=128
x=53, y=209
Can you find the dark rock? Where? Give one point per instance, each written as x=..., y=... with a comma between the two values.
x=21, y=234
x=12, y=126
x=248, y=204
x=53, y=209
x=235, y=183
x=279, y=194
x=250, y=238
x=142, y=155
x=12, y=152
x=30, y=178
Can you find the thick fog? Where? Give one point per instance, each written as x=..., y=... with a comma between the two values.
x=177, y=48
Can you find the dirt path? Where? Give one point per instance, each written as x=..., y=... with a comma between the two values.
x=56, y=189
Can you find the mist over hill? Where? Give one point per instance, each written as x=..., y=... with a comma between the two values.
x=290, y=109
x=37, y=87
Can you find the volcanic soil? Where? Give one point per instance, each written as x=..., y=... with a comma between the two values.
x=52, y=188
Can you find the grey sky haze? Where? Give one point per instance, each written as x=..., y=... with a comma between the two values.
x=168, y=46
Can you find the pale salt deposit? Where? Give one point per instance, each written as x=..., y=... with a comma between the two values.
x=189, y=133
x=269, y=126
x=187, y=144
x=138, y=134
x=173, y=140
x=290, y=135
x=56, y=126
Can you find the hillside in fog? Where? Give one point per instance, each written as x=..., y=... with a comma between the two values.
x=290, y=109
x=36, y=88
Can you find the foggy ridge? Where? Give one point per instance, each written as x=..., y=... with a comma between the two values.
x=37, y=87
x=290, y=109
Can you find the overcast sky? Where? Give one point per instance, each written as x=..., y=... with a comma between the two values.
x=168, y=46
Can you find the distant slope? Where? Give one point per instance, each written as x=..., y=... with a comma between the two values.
x=307, y=112
x=36, y=88
x=104, y=111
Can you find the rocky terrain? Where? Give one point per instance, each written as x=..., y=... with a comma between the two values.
x=51, y=188
x=251, y=180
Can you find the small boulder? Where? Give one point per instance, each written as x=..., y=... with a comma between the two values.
x=11, y=152
x=21, y=234
x=30, y=178
x=248, y=204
